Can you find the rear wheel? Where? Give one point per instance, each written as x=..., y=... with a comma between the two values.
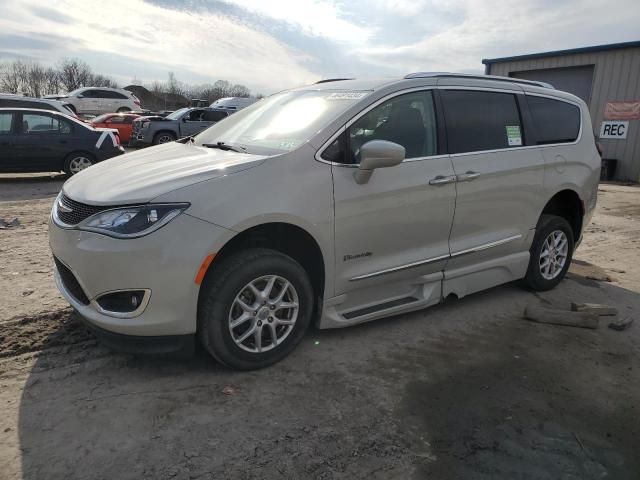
x=254, y=308
x=551, y=253
x=76, y=162
x=163, y=137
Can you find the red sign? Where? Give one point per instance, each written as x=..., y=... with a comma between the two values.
x=622, y=110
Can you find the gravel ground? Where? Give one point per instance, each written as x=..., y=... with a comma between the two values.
x=463, y=390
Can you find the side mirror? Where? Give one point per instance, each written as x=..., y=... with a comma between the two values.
x=80, y=96
x=377, y=154
x=185, y=119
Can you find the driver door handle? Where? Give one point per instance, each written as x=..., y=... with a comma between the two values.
x=468, y=176
x=442, y=180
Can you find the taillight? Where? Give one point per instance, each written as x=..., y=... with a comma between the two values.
x=117, y=136
x=137, y=102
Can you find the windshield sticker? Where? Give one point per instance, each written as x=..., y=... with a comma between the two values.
x=347, y=95
x=513, y=135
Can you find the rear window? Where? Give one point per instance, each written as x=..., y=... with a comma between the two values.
x=478, y=120
x=555, y=121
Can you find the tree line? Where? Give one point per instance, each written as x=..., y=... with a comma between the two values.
x=33, y=79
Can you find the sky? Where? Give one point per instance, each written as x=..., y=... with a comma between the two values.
x=272, y=45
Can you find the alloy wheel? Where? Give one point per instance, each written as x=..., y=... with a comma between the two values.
x=78, y=164
x=165, y=139
x=553, y=255
x=263, y=313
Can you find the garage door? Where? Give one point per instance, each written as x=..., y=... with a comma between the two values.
x=576, y=80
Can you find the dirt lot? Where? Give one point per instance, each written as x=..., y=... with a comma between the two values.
x=463, y=390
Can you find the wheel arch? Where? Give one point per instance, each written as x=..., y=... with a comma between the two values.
x=567, y=204
x=165, y=130
x=284, y=237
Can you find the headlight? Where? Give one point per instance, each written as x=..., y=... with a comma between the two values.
x=133, y=222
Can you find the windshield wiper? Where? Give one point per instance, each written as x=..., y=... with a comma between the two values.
x=225, y=146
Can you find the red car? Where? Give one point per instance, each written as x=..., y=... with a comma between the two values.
x=120, y=121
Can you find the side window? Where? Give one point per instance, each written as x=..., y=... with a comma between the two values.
x=43, y=124
x=408, y=120
x=89, y=94
x=5, y=123
x=555, y=121
x=214, y=115
x=195, y=115
x=478, y=120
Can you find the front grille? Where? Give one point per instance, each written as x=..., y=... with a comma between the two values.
x=78, y=211
x=71, y=283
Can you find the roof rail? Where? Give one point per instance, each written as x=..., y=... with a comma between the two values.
x=333, y=80
x=480, y=77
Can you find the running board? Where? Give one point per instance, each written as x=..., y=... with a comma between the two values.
x=379, y=308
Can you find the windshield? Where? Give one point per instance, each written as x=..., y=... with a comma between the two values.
x=176, y=115
x=282, y=122
x=75, y=92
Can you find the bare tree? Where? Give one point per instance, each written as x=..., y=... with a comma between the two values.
x=52, y=81
x=34, y=80
x=239, y=91
x=74, y=73
x=99, y=80
x=11, y=76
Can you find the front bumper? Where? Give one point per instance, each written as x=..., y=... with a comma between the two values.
x=164, y=262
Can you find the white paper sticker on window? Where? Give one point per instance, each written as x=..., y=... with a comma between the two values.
x=513, y=135
x=347, y=95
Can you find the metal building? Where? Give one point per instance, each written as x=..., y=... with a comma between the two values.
x=607, y=78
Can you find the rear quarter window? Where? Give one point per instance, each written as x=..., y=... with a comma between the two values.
x=555, y=121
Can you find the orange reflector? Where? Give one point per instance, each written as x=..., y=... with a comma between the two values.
x=203, y=268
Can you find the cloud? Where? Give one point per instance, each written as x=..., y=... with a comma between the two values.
x=314, y=17
x=275, y=44
x=491, y=28
x=206, y=46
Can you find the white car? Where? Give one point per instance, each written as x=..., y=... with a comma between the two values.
x=233, y=103
x=99, y=100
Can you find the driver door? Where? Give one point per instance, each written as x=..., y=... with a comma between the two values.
x=395, y=228
x=193, y=122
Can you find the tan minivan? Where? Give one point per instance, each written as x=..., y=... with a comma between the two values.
x=335, y=203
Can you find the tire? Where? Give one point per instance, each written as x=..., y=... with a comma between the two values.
x=218, y=306
x=78, y=161
x=123, y=109
x=542, y=276
x=164, y=137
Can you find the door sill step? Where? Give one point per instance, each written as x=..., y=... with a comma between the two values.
x=379, y=307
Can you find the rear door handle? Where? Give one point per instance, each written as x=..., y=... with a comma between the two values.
x=468, y=176
x=442, y=180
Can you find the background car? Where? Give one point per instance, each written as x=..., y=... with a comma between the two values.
x=233, y=103
x=98, y=100
x=181, y=123
x=33, y=140
x=122, y=122
x=9, y=100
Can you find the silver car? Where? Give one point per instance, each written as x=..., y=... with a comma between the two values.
x=333, y=204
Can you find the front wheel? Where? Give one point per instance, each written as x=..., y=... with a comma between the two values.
x=163, y=137
x=551, y=253
x=254, y=308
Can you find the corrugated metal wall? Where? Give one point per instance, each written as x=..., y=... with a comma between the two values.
x=616, y=78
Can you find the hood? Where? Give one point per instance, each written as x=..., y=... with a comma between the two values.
x=141, y=176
